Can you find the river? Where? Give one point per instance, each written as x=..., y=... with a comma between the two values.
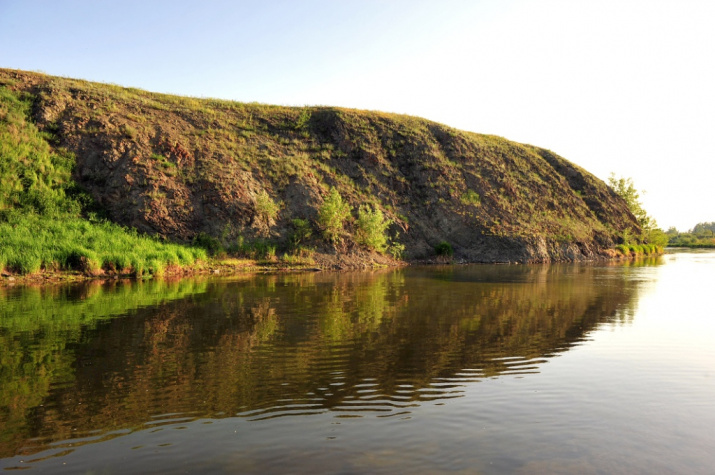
x=579, y=368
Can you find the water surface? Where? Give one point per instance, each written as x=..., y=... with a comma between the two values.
x=466, y=369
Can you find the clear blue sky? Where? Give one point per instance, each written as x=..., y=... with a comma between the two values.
x=614, y=86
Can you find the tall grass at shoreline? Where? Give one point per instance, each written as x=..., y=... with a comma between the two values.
x=636, y=250
x=30, y=243
x=41, y=211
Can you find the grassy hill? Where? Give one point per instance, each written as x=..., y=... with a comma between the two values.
x=257, y=180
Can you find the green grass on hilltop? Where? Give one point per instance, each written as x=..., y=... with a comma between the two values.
x=41, y=223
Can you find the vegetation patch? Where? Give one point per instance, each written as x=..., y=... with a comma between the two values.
x=43, y=213
x=30, y=243
x=444, y=249
x=701, y=236
x=471, y=197
x=332, y=216
x=372, y=228
x=266, y=208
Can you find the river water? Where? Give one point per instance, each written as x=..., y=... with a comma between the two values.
x=598, y=368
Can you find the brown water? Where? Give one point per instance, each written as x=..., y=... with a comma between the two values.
x=468, y=369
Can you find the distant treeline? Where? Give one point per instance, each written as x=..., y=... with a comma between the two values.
x=702, y=235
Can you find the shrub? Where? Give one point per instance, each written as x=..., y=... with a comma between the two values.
x=301, y=232
x=471, y=197
x=266, y=208
x=331, y=216
x=372, y=228
x=444, y=249
x=210, y=243
x=260, y=250
x=302, y=120
x=623, y=249
x=396, y=250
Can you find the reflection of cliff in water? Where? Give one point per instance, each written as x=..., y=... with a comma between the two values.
x=296, y=344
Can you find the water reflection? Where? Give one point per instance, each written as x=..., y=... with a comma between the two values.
x=87, y=363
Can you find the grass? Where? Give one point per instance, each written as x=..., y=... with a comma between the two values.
x=639, y=250
x=33, y=177
x=42, y=227
x=30, y=243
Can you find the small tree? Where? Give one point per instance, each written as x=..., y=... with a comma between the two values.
x=301, y=232
x=266, y=208
x=331, y=216
x=372, y=228
x=625, y=189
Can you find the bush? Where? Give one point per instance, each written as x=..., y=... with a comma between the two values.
x=396, y=250
x=266, y=208
x=444, y=249
x=331, y=216
x=301, y=232
x=623, y=249
x=212, y=244
x=302, y=120
x=471, y=197
x=372, y=228
x=262, y=250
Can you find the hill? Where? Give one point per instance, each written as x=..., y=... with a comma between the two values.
x=242, y=177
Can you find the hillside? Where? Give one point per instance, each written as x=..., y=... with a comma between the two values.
x=238, y=175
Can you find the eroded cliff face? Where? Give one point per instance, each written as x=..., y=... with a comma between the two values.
x=176, y=167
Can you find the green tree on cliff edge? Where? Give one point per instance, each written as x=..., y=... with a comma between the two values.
x=625, y=188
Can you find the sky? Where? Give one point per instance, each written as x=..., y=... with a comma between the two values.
x=624, y=87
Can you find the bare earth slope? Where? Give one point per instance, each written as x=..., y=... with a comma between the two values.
x=177, y=166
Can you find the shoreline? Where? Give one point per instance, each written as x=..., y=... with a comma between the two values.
x=235, y=266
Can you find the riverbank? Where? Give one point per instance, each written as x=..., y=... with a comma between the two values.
x=228, y=266
x=233, y=266
x=99, y=179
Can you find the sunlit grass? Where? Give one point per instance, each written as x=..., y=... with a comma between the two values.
x=31, y=243
x=41, y=223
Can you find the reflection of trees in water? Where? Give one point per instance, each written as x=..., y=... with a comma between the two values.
x=295, y=344
x=40, y=328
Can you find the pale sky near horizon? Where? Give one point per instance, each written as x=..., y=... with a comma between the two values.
x=613, y=86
